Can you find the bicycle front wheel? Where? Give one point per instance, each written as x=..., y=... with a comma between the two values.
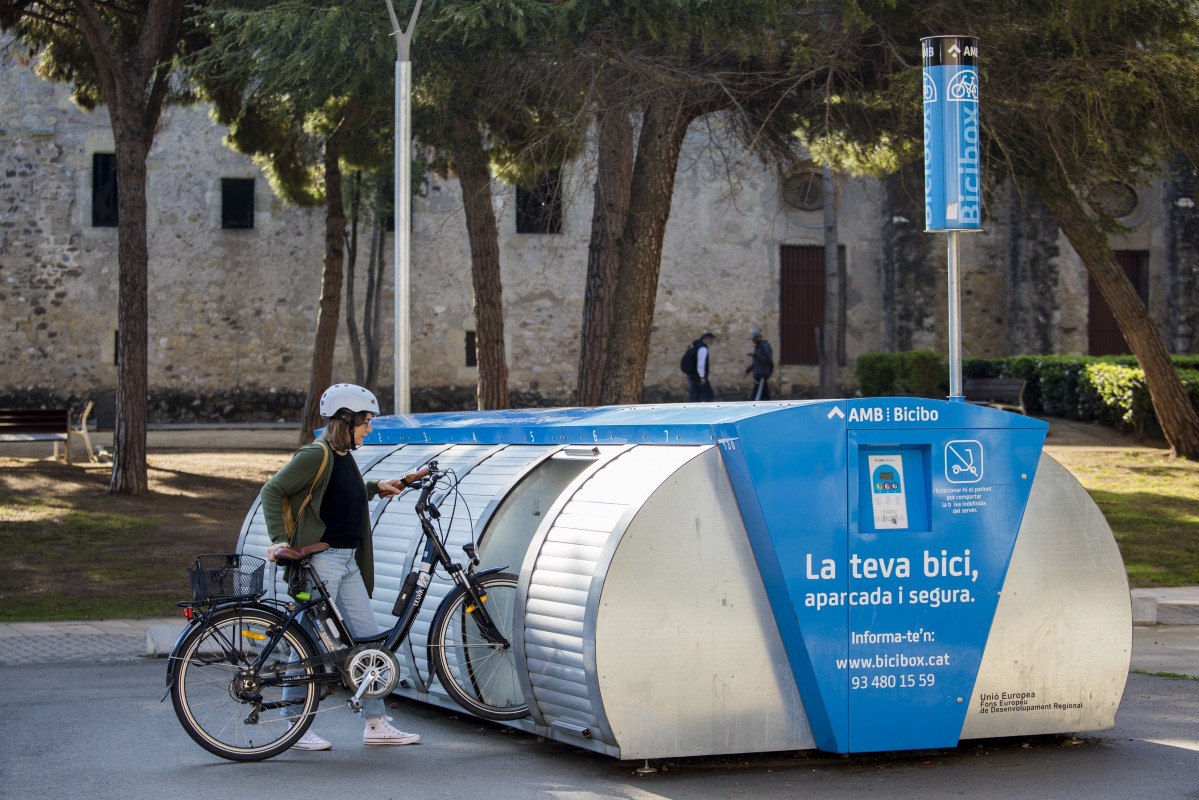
x=229, y=708
x=478, y=673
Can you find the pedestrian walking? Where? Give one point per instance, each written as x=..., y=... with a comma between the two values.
x=696, y=364
x=761, y=366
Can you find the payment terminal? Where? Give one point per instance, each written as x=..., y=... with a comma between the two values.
x=887, y=491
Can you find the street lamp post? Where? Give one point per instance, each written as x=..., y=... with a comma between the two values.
x=403, y=205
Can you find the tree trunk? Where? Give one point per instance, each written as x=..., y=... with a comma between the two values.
x=129, y=474
x=330, y=303
x=474, y=175
x=135, y=86
x=351, y=262
x=364, y=344
x=614, y=174
x=373, y=316
x=1175, y=414
x=664, y=125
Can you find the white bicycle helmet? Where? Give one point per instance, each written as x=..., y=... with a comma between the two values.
x=347, y=396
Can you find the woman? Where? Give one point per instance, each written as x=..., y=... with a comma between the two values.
x=325, y=490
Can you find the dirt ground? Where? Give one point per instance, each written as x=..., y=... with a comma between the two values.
x=1071, y=433
x=194, y=495
x=73, y=549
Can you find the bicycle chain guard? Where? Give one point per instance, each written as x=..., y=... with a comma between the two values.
x=376, y=667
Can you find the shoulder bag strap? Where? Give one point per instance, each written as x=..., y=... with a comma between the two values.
x=324, y=462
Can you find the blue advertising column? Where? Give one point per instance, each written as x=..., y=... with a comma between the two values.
x=952, y=182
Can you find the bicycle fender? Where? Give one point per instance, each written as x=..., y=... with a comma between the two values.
x=196, y=622
x=441, y=609
x=175, y=655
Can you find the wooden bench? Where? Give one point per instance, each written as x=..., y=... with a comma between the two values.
x=44, y=425
x=1003, y=393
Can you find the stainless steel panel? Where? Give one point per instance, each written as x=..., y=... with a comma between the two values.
x=540, y=645
x=687, y=656
x=571, y=555
x=1058, y=654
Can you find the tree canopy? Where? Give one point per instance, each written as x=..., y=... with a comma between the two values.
x=1075, y=94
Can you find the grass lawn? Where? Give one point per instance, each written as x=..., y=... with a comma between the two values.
x=73, y=551
x=1151, y=502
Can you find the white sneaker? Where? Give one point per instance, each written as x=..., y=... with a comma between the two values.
x=310, y=741
x=379, y=731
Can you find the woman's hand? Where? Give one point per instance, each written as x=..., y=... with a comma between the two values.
x=390, y=488
x=273, y=549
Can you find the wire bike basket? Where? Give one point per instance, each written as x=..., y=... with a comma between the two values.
x=225, y=576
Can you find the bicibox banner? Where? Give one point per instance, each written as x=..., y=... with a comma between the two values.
x=952, y=175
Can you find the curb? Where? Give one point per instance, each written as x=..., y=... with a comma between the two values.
x=160, y=639
x=1175, y=605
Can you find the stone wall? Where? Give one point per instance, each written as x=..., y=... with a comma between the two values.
x=1032, y=288
x=227, y=308
x=913, y=274
x=232, y=312
x=1182, y=245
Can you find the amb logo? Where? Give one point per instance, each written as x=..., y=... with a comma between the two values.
x=874, y=414
x=895, y=414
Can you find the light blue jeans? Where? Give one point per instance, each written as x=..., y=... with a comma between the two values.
x=343, y=580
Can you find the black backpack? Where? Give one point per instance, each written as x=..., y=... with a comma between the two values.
x=689, y=363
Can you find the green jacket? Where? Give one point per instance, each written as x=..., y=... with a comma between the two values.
x=293, y=481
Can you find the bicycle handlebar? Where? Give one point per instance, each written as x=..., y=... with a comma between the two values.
x=412, y=478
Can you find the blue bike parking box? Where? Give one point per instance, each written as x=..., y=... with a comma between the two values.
x=843, y=575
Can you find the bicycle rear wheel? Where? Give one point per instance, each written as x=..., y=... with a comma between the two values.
x=479, y=674
x=228, y=708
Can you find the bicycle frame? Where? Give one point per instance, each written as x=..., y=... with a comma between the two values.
x=408, y=604
x=243, y=656
x=416, y=584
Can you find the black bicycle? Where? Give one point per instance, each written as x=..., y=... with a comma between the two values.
x=246, y=677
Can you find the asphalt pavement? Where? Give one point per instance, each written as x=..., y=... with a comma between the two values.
x=98, y=730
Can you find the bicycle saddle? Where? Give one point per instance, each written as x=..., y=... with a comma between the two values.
x=292, y=556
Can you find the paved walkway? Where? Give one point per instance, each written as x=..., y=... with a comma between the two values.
x=83, y=640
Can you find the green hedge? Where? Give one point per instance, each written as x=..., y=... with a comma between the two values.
x=1110, y=389
x=918, y=372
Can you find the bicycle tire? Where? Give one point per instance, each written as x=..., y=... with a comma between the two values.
x=212, y=657
x=479, y=676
